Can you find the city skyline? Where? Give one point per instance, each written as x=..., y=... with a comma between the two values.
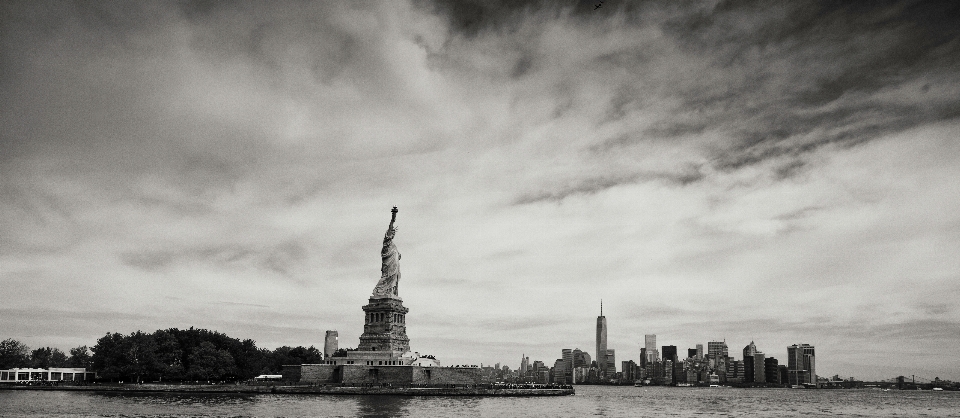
x=776, y=172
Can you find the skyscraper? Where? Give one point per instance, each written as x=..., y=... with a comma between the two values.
x=700, y=351
x=801, y=364
x=669, y=353
x=717, y=358
x=330, y=344
x=650, y=343
x=759, y=370
x=602, y=342
x=581, y=358
x=748, y=365
x=771, y=369
x=567, y=357
x=611, y=361
x=717, y=349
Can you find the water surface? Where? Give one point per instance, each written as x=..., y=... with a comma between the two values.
x=597, y=401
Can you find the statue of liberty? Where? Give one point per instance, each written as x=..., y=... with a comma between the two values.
x=390, y=270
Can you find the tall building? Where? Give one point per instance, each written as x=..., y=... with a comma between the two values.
x=691, y=353
x=611, y=362
x=602, y=343
x=669, y=353
x=801, y=364
x=717, y=358
x=567, y=357
x=748, y=364
x=330, y=344
x=581, y=358
x=629, y=370
x=650, y=343
x=759, y=368
x=700, y=351
x=771, y=371
x=717, y=349
x=559, y=371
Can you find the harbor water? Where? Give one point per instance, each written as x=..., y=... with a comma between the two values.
x=597, y=401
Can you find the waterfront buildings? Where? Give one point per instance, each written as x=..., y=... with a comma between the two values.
x=718, y=358
x=771, y=370
x=753, y=362
x=801, y=365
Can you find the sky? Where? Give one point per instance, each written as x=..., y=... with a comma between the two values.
x=776, y=172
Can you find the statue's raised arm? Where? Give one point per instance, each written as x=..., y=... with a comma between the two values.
x=389, y=282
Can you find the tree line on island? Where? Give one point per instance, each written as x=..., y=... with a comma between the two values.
x=165, y=355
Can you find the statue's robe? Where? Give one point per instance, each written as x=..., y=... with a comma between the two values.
x=390, y=269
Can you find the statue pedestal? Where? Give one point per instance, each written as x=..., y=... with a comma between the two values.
x=385, y=326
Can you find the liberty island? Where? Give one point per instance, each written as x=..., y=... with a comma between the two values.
x=383, y=362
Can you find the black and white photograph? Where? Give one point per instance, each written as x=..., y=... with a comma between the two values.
x=479, y=208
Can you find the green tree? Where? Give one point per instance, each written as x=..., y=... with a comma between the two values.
x=13, y=353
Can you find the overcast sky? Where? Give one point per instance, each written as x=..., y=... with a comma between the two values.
x=782, y=172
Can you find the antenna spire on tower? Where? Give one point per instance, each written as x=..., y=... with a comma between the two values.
x=601, y=307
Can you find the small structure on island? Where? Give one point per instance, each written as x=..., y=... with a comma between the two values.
x=383, y=356
x=52, y=375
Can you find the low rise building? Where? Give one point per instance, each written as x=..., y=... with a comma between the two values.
x=53, y=374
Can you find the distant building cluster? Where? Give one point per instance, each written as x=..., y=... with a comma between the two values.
x=666, y=366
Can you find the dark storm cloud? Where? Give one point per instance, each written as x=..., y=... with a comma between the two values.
x=741, y=83
x=790, y=78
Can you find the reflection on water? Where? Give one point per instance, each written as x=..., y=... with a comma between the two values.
x=376, y=406
x=210, y=399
